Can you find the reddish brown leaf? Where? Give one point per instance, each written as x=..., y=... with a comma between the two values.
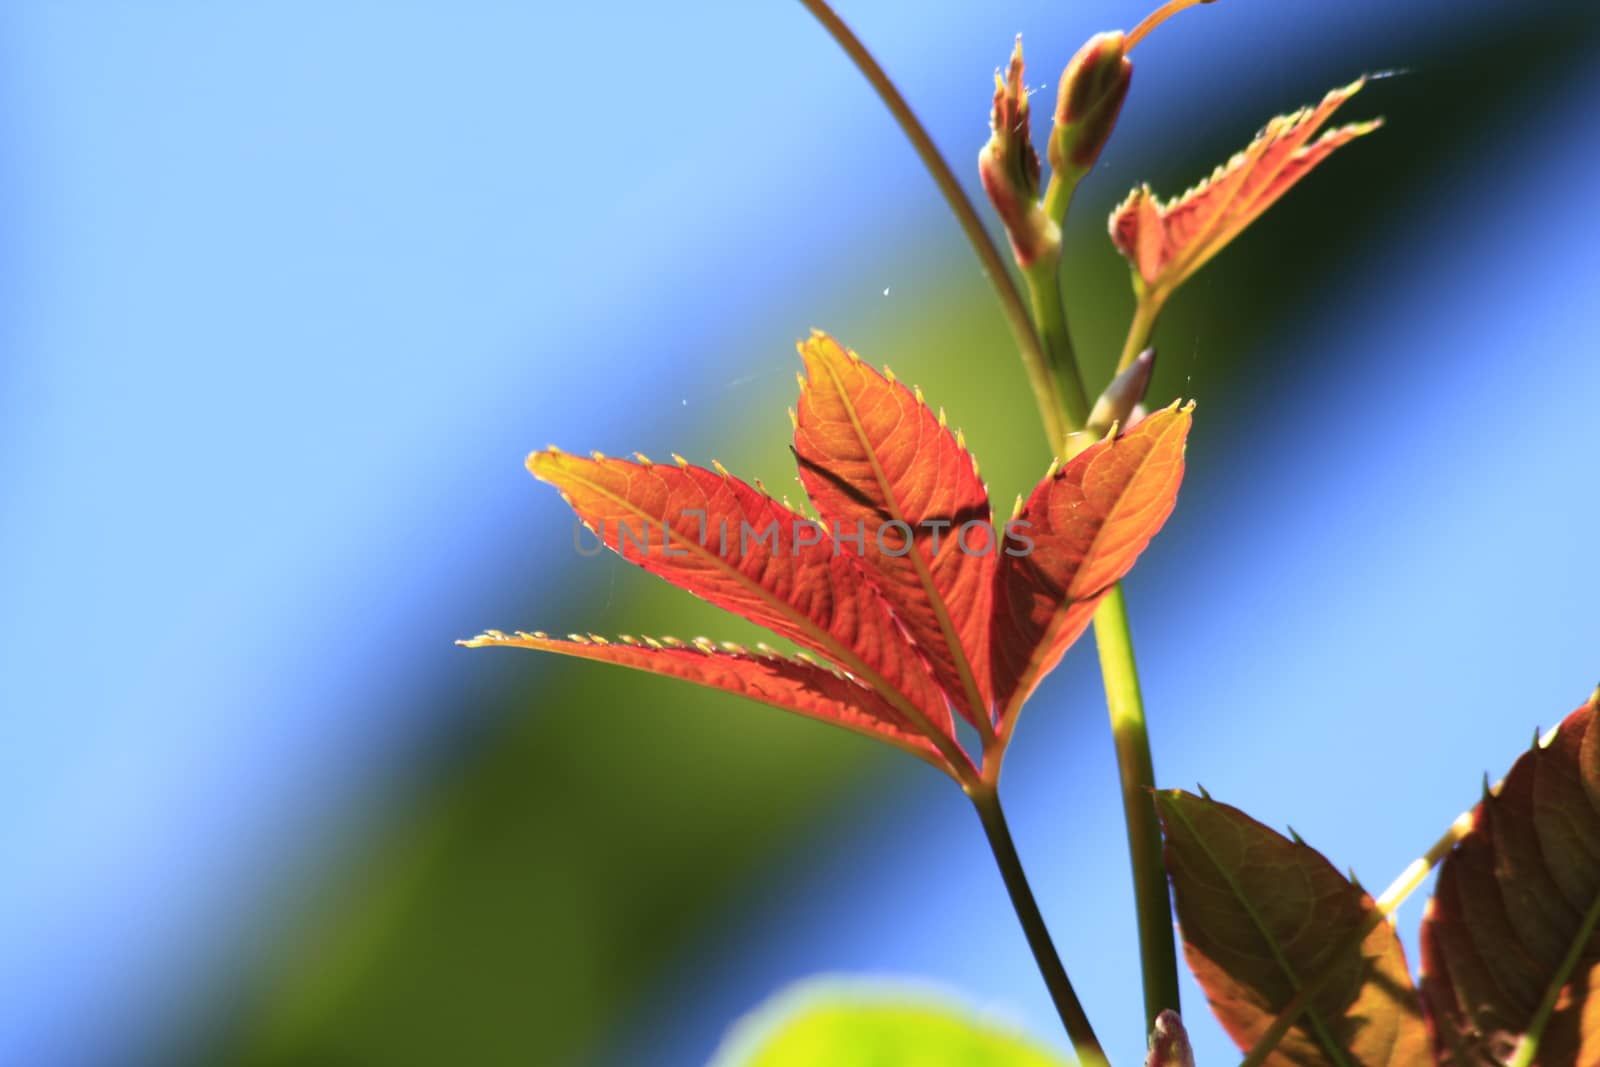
x=1264, y=917
x=880, y=466
x=808, y=689
x=1167, y=242
x=719, y=538
x=1509, y=947
x=1087, y=523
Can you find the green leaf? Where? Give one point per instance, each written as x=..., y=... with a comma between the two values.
x=1509, y=953
x=1264, y=918
x=840, y=1023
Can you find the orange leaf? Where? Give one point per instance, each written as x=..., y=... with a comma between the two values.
x=1088, y=522
x=804, y=688
x=1167, y=242
x=877, y=463
x=728, y=543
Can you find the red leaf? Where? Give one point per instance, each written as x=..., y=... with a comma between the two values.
x=808, y=689
x=876, y=462
x=1262, y=918
x=915, y=620
x=1167, y=242
x=1088, y=522
x=722, y=540
x=1510, y=952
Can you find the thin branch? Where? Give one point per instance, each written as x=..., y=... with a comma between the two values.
x=994, y=266
x=1073, y=1017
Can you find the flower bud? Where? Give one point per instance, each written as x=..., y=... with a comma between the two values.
x=1119, y=404
x=1009, y=167
x=1169, y=1043
x=1093, y=88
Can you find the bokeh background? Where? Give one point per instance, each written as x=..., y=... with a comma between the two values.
x=288, y=290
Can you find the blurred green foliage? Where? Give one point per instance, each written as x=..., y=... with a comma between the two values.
x=858, y=1024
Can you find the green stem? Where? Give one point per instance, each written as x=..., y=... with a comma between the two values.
x=1034, y=357
x=1071, y=401
x=1157, y=952
x=1410, y=878
x=1145, y=313
x=1073, y=1017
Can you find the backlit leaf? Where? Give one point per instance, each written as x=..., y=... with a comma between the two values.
x=857, y=1024
x=879, y=465
x=1168, y=241
x=808, y=689
x=1509, y=950
x=905, y=584
x=1087, y=523
x=1262, y=916
x=725, y=541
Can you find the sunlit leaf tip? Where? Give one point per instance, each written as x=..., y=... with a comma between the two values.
x=1167, y=241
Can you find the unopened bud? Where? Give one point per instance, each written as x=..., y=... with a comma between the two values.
x=1092, y=91
x=1120, y=404
x=1169, y=1043
x=1009, y=167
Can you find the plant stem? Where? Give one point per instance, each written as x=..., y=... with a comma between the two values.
x=1418, y=869
x=1156, y=18
x=1084, y=1042
x=1157, y=953
x=1034, y=358
x=1145, y=313
x=1071, y=401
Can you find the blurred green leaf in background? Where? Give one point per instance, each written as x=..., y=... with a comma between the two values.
x=854, y=1023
